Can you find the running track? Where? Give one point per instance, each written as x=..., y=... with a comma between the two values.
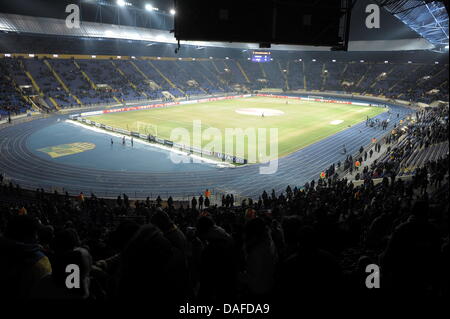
x=30, y=171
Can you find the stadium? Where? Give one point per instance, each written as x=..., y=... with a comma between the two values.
x=259, y=163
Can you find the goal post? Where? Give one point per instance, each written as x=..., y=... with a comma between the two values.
x=315, y=97
x=147, y=128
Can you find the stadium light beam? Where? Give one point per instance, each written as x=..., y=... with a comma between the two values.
x=172, y=12
x=121, y=3
x=149, y=7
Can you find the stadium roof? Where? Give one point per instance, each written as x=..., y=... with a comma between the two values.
x=428, y=18
x=51, y=26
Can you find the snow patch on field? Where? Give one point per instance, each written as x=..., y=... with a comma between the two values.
x=336, y=122
x=156, y=145
x=259, y=112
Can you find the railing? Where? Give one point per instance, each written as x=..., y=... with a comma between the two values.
x=215, y=198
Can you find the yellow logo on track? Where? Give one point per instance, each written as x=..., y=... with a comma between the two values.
x=67, y=149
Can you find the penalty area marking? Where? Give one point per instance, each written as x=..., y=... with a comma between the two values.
x=336, y=122
x=259, y=112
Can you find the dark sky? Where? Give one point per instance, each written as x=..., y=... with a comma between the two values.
x=391, y=28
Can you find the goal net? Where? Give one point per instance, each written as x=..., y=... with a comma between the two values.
x=147, y=128
x=315, y=97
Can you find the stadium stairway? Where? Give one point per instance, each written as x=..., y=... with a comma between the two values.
x=435, y=75
x=85, y=75
x=215, y=66
x=117, y=68
x=211, y=75
x=209, y=80
x=117, y=100
x=168, y=95
x=305, y=86
x=55, y=104
x=324, y=77
x=21, y=93
x=136, y=67
x=34, y=106
x=165, y=77
x=263, y=72
x=242, y=71
x=190, y=75
x=285, y=81
x=363, y=76
x=41, y=94
x=61, y=82
x=418, y=158
x=34, y=84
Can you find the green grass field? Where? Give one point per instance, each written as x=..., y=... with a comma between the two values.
x=302, y=123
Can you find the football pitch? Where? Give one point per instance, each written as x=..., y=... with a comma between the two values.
x=298, y=123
